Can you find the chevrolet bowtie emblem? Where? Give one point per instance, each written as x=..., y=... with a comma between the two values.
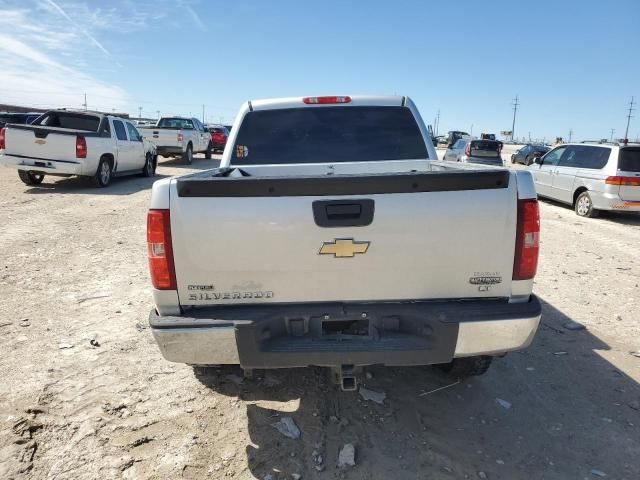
x=343, y=248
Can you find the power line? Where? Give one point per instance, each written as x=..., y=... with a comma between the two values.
x=629, y=116
x=515, y=110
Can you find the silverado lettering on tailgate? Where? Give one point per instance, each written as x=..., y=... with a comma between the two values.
x=209, y=296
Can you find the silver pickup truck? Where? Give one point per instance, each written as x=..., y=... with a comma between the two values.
x=332, y=236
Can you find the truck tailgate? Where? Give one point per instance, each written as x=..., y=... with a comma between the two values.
x=452, y=239
x=42, y=143
x=162, y=137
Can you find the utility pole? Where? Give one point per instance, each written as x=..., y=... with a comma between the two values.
x=139, y=112
x=203, y=113
x=629, y=116
x=529, y=137
x=612, y=130
x=85, y=102
x=437, y=122
x=158, y=112
x=515, y=110
x=471, y=132
x=570, y=134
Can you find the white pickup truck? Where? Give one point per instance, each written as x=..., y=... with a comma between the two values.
x=179, y=136
x=332, y=236
x=64, y=143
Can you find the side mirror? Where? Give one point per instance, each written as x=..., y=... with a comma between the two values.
x=537, y=160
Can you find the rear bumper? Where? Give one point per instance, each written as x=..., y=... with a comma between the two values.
x=612, y=201
x=399, y=333
x=166, y=151
x=52, y=167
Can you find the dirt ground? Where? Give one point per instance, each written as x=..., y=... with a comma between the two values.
x=85, y=393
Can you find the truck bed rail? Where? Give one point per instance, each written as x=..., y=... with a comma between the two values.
x=215, y=183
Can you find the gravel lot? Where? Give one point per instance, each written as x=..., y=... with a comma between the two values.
x=85, y=393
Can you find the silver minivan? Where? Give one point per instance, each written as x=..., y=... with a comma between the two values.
x=590, y=177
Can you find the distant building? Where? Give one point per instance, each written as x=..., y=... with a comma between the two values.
x=19, y=109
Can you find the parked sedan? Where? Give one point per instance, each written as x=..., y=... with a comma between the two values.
x=456, y=150
x=219, y=136
x=528, y=153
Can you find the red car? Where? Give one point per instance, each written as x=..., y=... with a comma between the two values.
x=219, y=135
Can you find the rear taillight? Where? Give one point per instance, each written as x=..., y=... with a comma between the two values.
x=467, y=149
x=623, y=181
x=325, y=100
x=180, y=137
x=160, y=251
x=81, y=147
x=525, y=261
x=2, y=139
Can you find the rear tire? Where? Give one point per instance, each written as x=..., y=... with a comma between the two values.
x=103, y=175
x=207, y=154
x=187, y=156
x=584, y=206
x=30, y=178
x=467, y=367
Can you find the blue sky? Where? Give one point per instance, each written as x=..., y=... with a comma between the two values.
x=574, y=65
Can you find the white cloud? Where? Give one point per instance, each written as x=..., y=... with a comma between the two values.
x=30, y=77
x=54, y=51
x=78, y=27
x=196, y=19
x=43, y=56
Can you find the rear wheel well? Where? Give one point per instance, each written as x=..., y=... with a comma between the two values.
x=577, y=193
x=108, y=157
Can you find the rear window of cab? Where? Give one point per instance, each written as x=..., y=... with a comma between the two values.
x=328, y=135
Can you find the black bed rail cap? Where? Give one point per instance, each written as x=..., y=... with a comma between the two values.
x=216, y=183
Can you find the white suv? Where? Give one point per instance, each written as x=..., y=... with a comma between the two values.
x=590, y=177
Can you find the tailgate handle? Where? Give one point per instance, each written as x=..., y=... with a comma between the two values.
x=343, y=213
x=343, y=210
